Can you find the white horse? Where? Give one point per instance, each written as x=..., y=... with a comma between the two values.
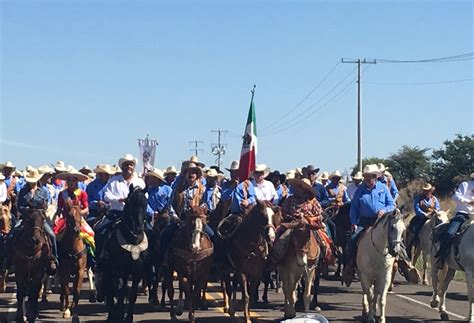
x=378, y=247
x=300, y=261
x=424, y=240
x=464, y=262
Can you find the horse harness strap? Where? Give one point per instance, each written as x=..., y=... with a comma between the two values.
x=135, y=250
x=78, y=254
x=192, y=257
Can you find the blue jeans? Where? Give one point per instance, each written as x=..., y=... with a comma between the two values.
x=456, y=223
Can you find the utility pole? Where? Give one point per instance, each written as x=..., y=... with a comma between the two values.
x=219, y=148
x=196, y=150
x=359, y=121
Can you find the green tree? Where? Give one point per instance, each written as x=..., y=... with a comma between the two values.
x=409, y=163
x=367, y=161
x=453, y=163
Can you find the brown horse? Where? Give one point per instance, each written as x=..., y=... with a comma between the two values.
x=247, y=252
x=30, y=256
x=5, y=226
x=73, y=261
x=191, y=255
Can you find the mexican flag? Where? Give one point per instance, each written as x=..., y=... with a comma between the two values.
x=249, y=145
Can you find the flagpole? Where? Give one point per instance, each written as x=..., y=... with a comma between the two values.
x=253, y=93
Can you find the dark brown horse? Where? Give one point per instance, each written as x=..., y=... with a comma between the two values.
x=191, y=255
x=247, y=252
x=5, y=226
x=73, y=261
x=30, y=255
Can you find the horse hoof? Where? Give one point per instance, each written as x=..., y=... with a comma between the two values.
x=20, y=318
x=434, y=303
x=231, y=312
x=153, y=301
x=426, y=283
x=66, y=314
x=444, y=316
x=92, y=298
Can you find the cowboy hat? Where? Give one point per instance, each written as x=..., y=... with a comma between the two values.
x=9, y=164
x=276, y=174
x=193, y=166
x=85, y=170
x=217, y=169
x=157, y=173
x=427, y=187
x=261, y=168
x=323, y=176
x=127, y=158
x=171, y=170
x=387, y=173
x=335, y=174
x=358, y=175
x=2, y=178
x=33, y=176
x=303, y=183
x=472, y=175
x=104, y=168
x=71, y=172
x=234, y=166
x=18, y=173
x=45, y=169
x=382, y=167
x=60, y=166
x=116, y=169
x=290, y=174
x=309, y=169
x=371, y=169
x=195, y=160
x=211, y=172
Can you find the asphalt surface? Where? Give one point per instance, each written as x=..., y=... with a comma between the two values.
x=407, y=303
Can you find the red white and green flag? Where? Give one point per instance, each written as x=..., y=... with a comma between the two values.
x=249, y=145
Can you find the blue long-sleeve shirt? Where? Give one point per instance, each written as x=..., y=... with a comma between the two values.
x=208, y=197
x=393, y=186
x=158, y=199
x=95, y=193
x=227, y=189
x=36, y=200
x=345, y=196
x=421, y=202
x=366, y=202
x=321, y=194
x=238, y=196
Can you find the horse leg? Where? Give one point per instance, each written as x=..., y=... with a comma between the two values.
x=381, y=289
x=93, y=292
x=307, y=289
x=442, y=293
x=367, y=299
x=168, y=285
x=183, y=286
x=470, y=293
x=245, y=297
x=20, y=296
x=33, y=294
x=3, y=281
x=132, y=299
x=122, y=294
x=76, y=288
x=64, y=278
x=289, y=290
x=227, y=295
x=392, y=278
x=314, y=302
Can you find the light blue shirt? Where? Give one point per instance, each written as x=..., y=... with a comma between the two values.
x=427, y=202
x=238, y=196
x=366, y=202
x=393, y=186
x=95, y=193
x=321, y=194
x=158, y=199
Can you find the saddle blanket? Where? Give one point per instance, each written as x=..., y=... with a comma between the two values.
x=87, y=234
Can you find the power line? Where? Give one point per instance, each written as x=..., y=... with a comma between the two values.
x=302, y=116
x=196, y=150
x=273, y=125
x=420, y=83
x=219, y=148
x=455, y=58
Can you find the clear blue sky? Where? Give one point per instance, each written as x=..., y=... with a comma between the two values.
x=82, y=80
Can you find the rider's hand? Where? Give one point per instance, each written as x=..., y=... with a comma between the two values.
x=471, y=202
x=380, y=213
x=244, y=203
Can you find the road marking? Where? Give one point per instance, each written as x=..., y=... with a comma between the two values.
x=220, y=309
x=426, y=305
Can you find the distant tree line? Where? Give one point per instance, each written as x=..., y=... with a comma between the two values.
x=445, y=168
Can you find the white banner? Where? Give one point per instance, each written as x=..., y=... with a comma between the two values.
x=146, y=157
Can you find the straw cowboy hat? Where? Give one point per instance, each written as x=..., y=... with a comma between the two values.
x=85, y=170
x=171, y=170
x=427, y=187
x=157, y=173
x=234, y=166
x=211, y=172
x=33, y=176
x=193, y=166
x=382, y=167
x=60, y=166
x=45, y=169
x=104, y=168
x=9, y=164
x=290, y=174
x=71, y=172
x=324, y=176
x=335, y=174
x=303, y=183
x=358, y=175
x=262, y=168
x=472, y=175
x=195, y=160
x=127, y=158
x=388, y=174
x=371, y=169
x=2, y=178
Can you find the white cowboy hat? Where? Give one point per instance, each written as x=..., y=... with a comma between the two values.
x=427, y=187
x=335, y=174
x=382, y=167
x=262, y=168
x=299, y=171
x=472, y=175
x=191, y=165
x=18, y=173
x=171, y=170
x=45, y=169
x=116, y=169
x=157, y=173
x=126, y=158
x=234, y=166
x=388, y=174
x=371, y=169
x=2, y=178
x=104, y=168
x=290, y=174
x=324, y=176
x=60, y=166
x=28, y=168
x=358, y=175
x=213, y=173
x=195, y=160
x=9, y=164
x=33, y=176
x=71, y=172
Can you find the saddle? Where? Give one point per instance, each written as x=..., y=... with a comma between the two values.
x=228, y=226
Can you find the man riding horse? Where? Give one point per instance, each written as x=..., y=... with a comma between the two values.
x=310, y=172
x=95, y=193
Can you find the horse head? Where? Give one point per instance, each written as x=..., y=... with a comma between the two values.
x=5, y=219
x=34, y=225
x=135, y=209
x=396, y=228
x=299, y=241
x=195, y=220
x=266, y=213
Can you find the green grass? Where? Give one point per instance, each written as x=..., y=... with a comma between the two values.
x=459, y=276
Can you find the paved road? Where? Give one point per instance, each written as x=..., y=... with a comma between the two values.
x=408, y=303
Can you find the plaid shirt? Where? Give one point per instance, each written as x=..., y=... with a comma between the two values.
x=293, y=209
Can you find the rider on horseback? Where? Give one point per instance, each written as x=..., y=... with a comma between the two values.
x=32, y=196
x=95, y=193
x=371, y=201
x=388, y=181
x=213, y=193
x=310, y=173
x=425, y=204
x=337, y=192
x=159, y=194
x=464, y=197
x=278, y=181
